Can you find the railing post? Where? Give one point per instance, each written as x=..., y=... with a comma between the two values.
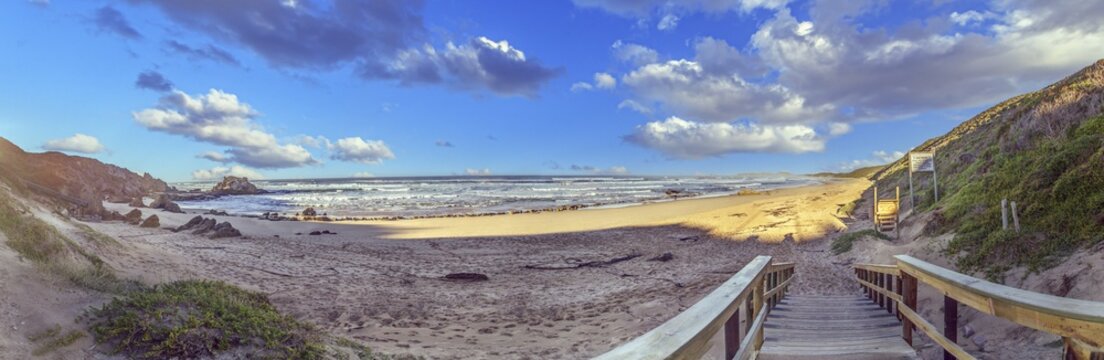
x=757, y=303
x=878, y=283
x=908, y=294
x=732, y=334
x=899, y=292
x=950, y=323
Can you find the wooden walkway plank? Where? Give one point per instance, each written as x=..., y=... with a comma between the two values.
x=832, y=327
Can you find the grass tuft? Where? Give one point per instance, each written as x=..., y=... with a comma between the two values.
x=844, y=242
x=190, y=319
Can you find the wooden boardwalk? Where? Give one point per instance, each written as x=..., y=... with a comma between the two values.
x=832, y=327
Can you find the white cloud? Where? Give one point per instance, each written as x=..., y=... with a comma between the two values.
x=642, y=8
x=358, y=150
x=634, y=53
x=634, y=106
x=668, y=22
x=965, y=18
x=219, y=118
x=880, y=157
x=364, y=174
x=691, y=140
x=477, y=172
x=214, y=156
x=79, y=143
x=838, y=128
x=602, y=80
x=317, y=142
x=219, y=172
x=481, y=63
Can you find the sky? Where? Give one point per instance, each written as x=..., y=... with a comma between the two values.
x=199, y=89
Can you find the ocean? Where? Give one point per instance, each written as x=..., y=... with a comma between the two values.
x=438, y=196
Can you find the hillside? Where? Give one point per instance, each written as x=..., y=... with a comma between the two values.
x=1044, y=150
x=67, y=179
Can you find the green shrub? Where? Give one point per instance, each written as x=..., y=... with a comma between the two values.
x=844, y=242
x=190, y=319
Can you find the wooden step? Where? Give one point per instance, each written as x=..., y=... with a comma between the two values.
x=837, y=327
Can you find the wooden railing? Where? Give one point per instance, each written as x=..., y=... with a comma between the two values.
x=756, y=288
x=1080, y=323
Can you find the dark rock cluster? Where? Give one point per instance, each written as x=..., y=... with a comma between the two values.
x=207, y=226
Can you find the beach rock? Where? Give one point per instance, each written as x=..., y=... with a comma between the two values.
x=151, y=222
x=980, y=341
x=310, y=212
x=134, y=217
x=224, y=230
x=967, y=331
x=163, y=202
x=467, y=277
x=664, y=258
x=137, y=203
x=204, y=226
x=118, y=199
x=233, y=185
x=113, y=216
x=316, y=232
x=217, y=212
x=190, y=224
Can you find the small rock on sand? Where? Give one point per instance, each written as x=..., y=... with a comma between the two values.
x=163, y=202
x=664, y=258
x=470, y=277
x=151, y=222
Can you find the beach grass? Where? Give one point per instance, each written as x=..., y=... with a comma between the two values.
x=845, y=242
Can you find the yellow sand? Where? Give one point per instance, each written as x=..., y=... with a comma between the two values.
x=801, y=213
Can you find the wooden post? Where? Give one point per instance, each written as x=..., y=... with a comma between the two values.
x=1004, y=214
x=874, y=213
x=749, y=311
x=889, y=286
x=908, y=294
x=897, y=215
x=899, y=293
x=757, y=303
x=732, y=334
x=950, y=323
x=1015, y=218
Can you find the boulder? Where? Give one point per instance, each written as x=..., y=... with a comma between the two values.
x=224, y=230
x=190, y=224
x=233, y=185
x=137, y=202
x=163, y=202
x=151, y=222
x=113, y=216
x=134, y=217
x=117, y=199
x=310, y=212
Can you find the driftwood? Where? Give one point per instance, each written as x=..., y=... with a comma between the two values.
x=595, y=263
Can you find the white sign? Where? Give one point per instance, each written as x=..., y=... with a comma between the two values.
x=921, y=161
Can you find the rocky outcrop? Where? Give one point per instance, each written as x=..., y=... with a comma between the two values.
x=137, y=202
x=134, y=217
x=151, y=222
x=164, y=202
x=310, y=212
x=233, y=185
x=213, y=229
x=64, y=176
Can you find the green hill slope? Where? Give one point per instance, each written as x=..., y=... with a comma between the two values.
x=1044, y=150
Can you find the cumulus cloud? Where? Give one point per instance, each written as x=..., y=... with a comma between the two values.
x=642, y=8
x=215, y=156
x=612, y=170
x=219, y=118
x=668, y=23
x=209, y=52
x=219, y=172
x=634, y=53
x=685, y=139
x=879, y=157
x=634, y=106
x=481, y=63
x=153, y=80
x=78, y=143
x=477, y=172
x=108, y=19
x=356, y=149
x=825, y=71
x=602, y=80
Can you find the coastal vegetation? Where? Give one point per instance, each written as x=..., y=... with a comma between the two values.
x=1043, y=150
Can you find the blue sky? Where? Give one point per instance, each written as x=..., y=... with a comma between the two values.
x=293, y=89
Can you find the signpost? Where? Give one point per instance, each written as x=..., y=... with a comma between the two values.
x=922, y=162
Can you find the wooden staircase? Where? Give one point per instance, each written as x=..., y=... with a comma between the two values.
x=887, y=212
x=832, y=327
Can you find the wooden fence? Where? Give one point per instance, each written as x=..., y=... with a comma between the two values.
x=756, y=289
x=1080, y=323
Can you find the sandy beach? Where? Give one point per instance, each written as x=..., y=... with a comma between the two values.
x=381, y=282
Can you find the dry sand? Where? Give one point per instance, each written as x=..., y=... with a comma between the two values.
x=363, y=283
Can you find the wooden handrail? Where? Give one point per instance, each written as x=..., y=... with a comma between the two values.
x=1079, y=322
x=688, y=334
